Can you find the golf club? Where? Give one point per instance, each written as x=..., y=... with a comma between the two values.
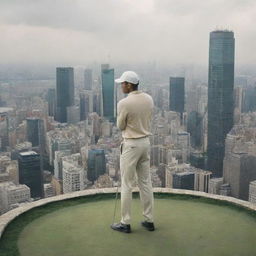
x=115, y=204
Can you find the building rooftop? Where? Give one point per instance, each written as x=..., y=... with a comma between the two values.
x=28, y=153
x=187, y=223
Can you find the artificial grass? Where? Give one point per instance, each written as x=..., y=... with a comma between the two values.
x=186, y=225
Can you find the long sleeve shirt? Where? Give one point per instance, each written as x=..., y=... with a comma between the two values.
x=134, y=114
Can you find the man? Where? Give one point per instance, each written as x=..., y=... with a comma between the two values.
x=134, y=116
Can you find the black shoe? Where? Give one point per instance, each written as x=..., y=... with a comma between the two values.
x=121, y=227
x=148, y=225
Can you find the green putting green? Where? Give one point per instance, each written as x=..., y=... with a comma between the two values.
x=183, y=227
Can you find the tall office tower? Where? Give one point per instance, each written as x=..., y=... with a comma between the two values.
x=108, y=92
x=65, y=92
x=30, y=172
x=88, y=79
x=34, y=131
x=51, y=99
x=177, y=94
x=195, y=128
x=220, y=97
x=86, y=104
x=96, y=164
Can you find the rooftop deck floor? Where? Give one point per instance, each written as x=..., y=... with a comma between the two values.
x=184, y=226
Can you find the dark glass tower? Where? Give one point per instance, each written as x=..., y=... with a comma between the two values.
x=195, y=128
x=220, y=97
x=34, y=131
x=96, y=164
x=108, y=91
x=65, y=92
x=177, y=94
x=30, y=172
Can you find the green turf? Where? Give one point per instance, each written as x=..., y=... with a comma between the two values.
x=185, y=225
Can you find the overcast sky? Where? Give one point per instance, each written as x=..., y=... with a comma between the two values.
x=122, y=31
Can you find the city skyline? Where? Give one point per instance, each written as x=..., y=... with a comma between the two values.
x=124, y=37
x=142, y=100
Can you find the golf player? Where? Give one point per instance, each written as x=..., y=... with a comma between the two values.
x=134, y=116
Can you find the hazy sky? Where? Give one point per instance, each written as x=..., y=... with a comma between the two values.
x=122, y=31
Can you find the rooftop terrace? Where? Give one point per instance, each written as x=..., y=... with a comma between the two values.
x=187, y=223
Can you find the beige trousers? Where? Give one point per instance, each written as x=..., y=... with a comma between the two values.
x=135, y=159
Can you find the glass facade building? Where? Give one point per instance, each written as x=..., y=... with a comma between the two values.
x=34, y=131
x=65, y=92
x=30, y=172
x=220, y=97
x=96, y=164
x=177, y=94
x=108, y=92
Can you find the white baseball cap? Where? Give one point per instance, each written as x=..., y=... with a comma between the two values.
x=128, y=76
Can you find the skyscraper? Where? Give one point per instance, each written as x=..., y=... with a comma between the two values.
x=220, y=97
x=88, y=79
x=65, y=92
x=30, y=172
x=177, y=94
x=108, y=91
x=34, y=131
x=51, y=99
x=96, y=164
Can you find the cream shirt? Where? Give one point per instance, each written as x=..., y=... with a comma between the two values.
x=134, y=114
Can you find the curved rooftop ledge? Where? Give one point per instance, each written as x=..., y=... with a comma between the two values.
x=6, y=218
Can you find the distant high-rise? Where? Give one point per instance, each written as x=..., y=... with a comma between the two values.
x=34, y=130
x=65, y=92
x=220, y=97
x=51, y=99
x=195, y=128
x=88, y=79
x=108, y=91
x=4, y=129
x=30, y=172
x=96, y=164
x=86, y=104
x=177, y=94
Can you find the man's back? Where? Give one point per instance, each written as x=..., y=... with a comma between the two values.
x=134, y=114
